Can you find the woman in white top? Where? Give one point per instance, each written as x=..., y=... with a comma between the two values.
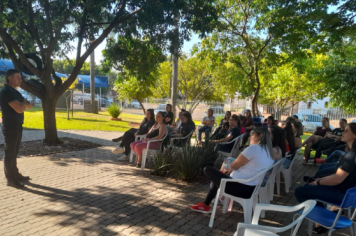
x=251, y=161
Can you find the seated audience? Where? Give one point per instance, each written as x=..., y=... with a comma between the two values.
x=234, y=132
x=268, y=122
x=278, y=136
x=290, y=143
x=158, y=131
x=249, y=125
x=300, y=131
x=168, y=115
x=296, y=131
x=186, y=128
x=175, y=126
x=331, y=139
x=251, y=161
x=208, y=123
x=223, y=121
x=318, y=134
x=222, y=132
x=332, y=188
x=129, y=136
x=242, y=124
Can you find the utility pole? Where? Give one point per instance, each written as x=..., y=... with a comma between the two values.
x=175, y=64
x=92, y=82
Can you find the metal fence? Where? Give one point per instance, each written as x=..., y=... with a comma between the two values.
x=316, y=114
x=236, y=106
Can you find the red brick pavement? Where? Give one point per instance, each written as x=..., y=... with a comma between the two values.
x=90, y=193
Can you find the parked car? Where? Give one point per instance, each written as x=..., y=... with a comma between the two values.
x=218, y=110
x=310, y=121
x=161, y=107
x=109, y=101
x=353, y=121
x=103, y=102
x=135, y=105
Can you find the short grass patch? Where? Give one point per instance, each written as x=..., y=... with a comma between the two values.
x=82, y=120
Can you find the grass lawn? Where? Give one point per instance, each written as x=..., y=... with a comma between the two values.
x=81, y=120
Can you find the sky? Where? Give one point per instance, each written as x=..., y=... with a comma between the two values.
x=187, y=46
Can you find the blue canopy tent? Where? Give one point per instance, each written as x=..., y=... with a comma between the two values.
x=100, y=81
x=5, y=65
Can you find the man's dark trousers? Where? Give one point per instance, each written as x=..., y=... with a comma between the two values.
x=13, y=136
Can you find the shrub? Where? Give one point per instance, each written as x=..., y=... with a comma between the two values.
x=185, y=163
x=114, y=110
x=164, y=163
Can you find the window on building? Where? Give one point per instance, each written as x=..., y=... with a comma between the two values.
x=309, y=105
x=326, y=104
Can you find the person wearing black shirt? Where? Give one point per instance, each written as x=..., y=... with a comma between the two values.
x=129, y=136
x=168, y=115
x=331, y=139
x=13, y=106
x=332, y=188
x=233, y=133
x=186, y=128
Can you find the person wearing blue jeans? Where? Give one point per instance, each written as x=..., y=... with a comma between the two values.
x=208, y=123
x=335, y=156
x=326, y=170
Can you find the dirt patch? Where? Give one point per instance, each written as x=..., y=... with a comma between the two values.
x=38, y=148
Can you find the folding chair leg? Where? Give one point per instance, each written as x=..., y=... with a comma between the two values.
x=287, y=182
x=216, y=202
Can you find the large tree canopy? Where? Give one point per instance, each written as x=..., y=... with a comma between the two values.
x=48, y=28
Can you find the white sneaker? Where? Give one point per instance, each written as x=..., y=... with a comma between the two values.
x=118, y=150
x=123, y=158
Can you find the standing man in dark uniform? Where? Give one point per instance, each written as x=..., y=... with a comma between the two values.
x=13, y=106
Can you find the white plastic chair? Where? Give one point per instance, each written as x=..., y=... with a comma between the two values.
x=265, y=192
x=244, y=229
x=287, y=174
x=138, y=137
x=147, y=152
x=247, y=204
x=188, y=137
x=235, y=148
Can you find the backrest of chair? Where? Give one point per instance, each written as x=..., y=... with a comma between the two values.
x=271, y=172
x=293, y=160
x=189, y=137
x=236, y=146
x=260, y=177
x=349, y=199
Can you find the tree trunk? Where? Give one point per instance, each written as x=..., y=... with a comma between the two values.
x=143, y=108
x=67, y=104
x=49, y=119
x=254, y=105
x=256, y=92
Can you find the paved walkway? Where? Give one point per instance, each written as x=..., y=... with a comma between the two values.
x=89, y=192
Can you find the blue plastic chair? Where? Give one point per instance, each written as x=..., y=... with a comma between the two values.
x=331, y=220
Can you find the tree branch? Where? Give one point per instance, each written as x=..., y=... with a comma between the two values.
x=49, y=20
x=34, y=31
x=268, y=39
x=7, y=38
x=93, y=45
x=56, y=35
x=17, y=66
